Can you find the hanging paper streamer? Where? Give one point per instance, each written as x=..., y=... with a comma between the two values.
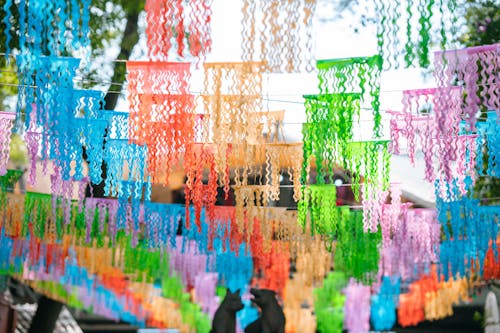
x=11, y=205
x=473, y=68
x=357, y=307
x=100, y=218
x=383, y=304
x=178, y=25
x=232, y=93
x=283, y=157
x=356, y=252
x=161, y=222
x=468, y=229
x=278, y=33
x=6, y=124
x=313, y=261
x=404, y=30
x=329, y=303
x=48, y=27
x=48, y=107
x=200, y=190
x=411, y=309
x=297, y=306
x=411, y=244
x=439, y=304
x=488, y=143
x=328, y=130
x=126, y=162
x=370, y=161
x=360, y=75
x=318, y=205
x=270, y=258
x=162, y=113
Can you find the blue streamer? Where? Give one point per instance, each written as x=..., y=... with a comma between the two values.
x=7, y=20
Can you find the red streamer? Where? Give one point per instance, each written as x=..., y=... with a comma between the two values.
x=161, y=113
x=166, y=21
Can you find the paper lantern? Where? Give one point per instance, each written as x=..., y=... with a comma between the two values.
x=6, y=124
x=186, y=21
x=279, y=34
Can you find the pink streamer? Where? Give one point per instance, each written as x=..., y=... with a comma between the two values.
x=6, y=124
x=357, y=308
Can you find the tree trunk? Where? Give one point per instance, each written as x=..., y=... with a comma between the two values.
x=46, y=316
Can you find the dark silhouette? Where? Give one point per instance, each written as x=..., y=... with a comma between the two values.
x=272, y=319
x=225, y=317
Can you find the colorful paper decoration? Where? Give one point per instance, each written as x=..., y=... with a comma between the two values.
x=473, y=68
x=126, y=162
x=271, y=34
x=404, y=30
x=297, y=305
x=412, y=304
x=6, y=124
x=357, y=307
x=439, y=304
x=188, y=22
x=468, y=232
x=359, y=75
x=48, y=27
x=328, y=130
x=162, y=113
x=318, y=206
x=356, y=252
x=329, y=303
x=283, y=157
x=410, y=243
x=488, y=142
x=383, y=304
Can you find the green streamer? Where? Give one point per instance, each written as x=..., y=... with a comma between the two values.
x=320, y=203
x=425, y=9
x=7, y=184
x=357, y=252
x=191, y=313
x=329, y=303
x=327, y=131
x=409, y=46
x=370, y=159
x=359, y=75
